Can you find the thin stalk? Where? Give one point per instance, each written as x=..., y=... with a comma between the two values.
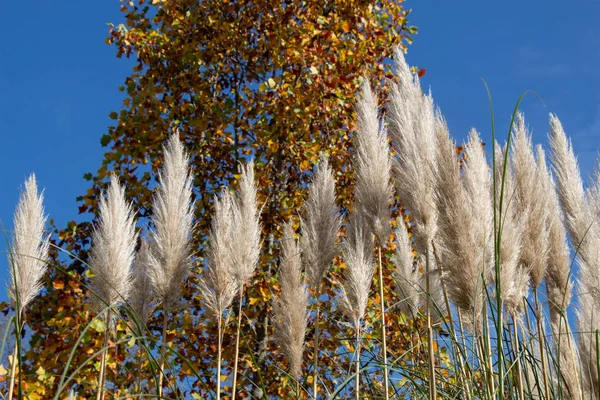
x=316, y=350
x=358, y=361
x=487, y=349
x=538, y=311
x=237, y=343
x=102, y=377
x=220, y=340
x=431, y=361
x=384, y=343
x=480, y=347
x=13, y=372
x=518, y=360
x=164, y=354
x=16, y=354
x=461, y=363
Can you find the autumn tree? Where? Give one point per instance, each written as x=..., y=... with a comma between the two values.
x=275, y=81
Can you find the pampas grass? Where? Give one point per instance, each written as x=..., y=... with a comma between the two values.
x=354, y=295
x=319, y=231
x=407, y=276
x=27, y=260
x=111, y=257
x=373, y=191
x=585, y=236
x=172, y=217
x=217, y=284
x=245, y=246
x=289, y=309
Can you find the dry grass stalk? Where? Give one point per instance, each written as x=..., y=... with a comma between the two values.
x=319, y=230
x=245, y=246
x=172, y=216
x=585, y=238
x=217, y=284
x=111, y=258
x=27, y=259
x=358, y=275
x=289, y=309
x=412, y=127
x=373, y=190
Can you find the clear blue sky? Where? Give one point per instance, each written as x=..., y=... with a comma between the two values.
x=58, y=82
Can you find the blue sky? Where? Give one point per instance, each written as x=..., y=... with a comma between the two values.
x=58, y=82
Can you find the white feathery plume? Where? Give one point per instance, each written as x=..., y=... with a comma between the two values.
x=358, y=274
x=113, y=248
x=29, y=251
x=173, y=223
x=585, y=238
x=407, y=277
x=558, y=283
x=412, y=128
x=514, y=277
x=530, y=203
x=320, y=225
x=466, y=221
x=217, y=284
x=373, y=190
x=289, y=309
x=246, y=232
x=141, y=299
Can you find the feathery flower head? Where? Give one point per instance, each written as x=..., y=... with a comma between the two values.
x=217, y=284
x=113, y=248
x=320, y=225
x=29, y=251
x=358, y=275
x=407, y=277
x=289, y=309
x=173, y=223
x=246, y=232
x=413, y=130
x=530, y=203
x=141, y=299
x=373, y=191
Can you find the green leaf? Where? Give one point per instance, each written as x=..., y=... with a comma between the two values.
x=104, y=141
x=98, y=325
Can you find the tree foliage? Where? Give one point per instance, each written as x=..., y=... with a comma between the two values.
x=275, y=81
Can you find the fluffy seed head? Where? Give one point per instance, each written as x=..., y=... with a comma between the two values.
x=407, y=277
x=559, y=284
x=465, y=237
x=514, y=277
x=289, y=309
x=359, y=271
x=373, y=190
x=29, y=251
x=320, y=225
x=530, y=203
x=412, y=128
x=246, y=233
x=217, y=284
x=113, y=248
x=172, y=218
x=141, y=299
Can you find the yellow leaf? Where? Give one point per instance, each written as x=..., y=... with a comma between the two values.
x=3, y=370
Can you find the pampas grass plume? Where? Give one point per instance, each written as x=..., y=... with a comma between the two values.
x=289, y=309
x=142, y=300
x=406, y=275
x=172, y=216
x=29, y=251
x=113, y=248
x=373, y=190
x=320, y=225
